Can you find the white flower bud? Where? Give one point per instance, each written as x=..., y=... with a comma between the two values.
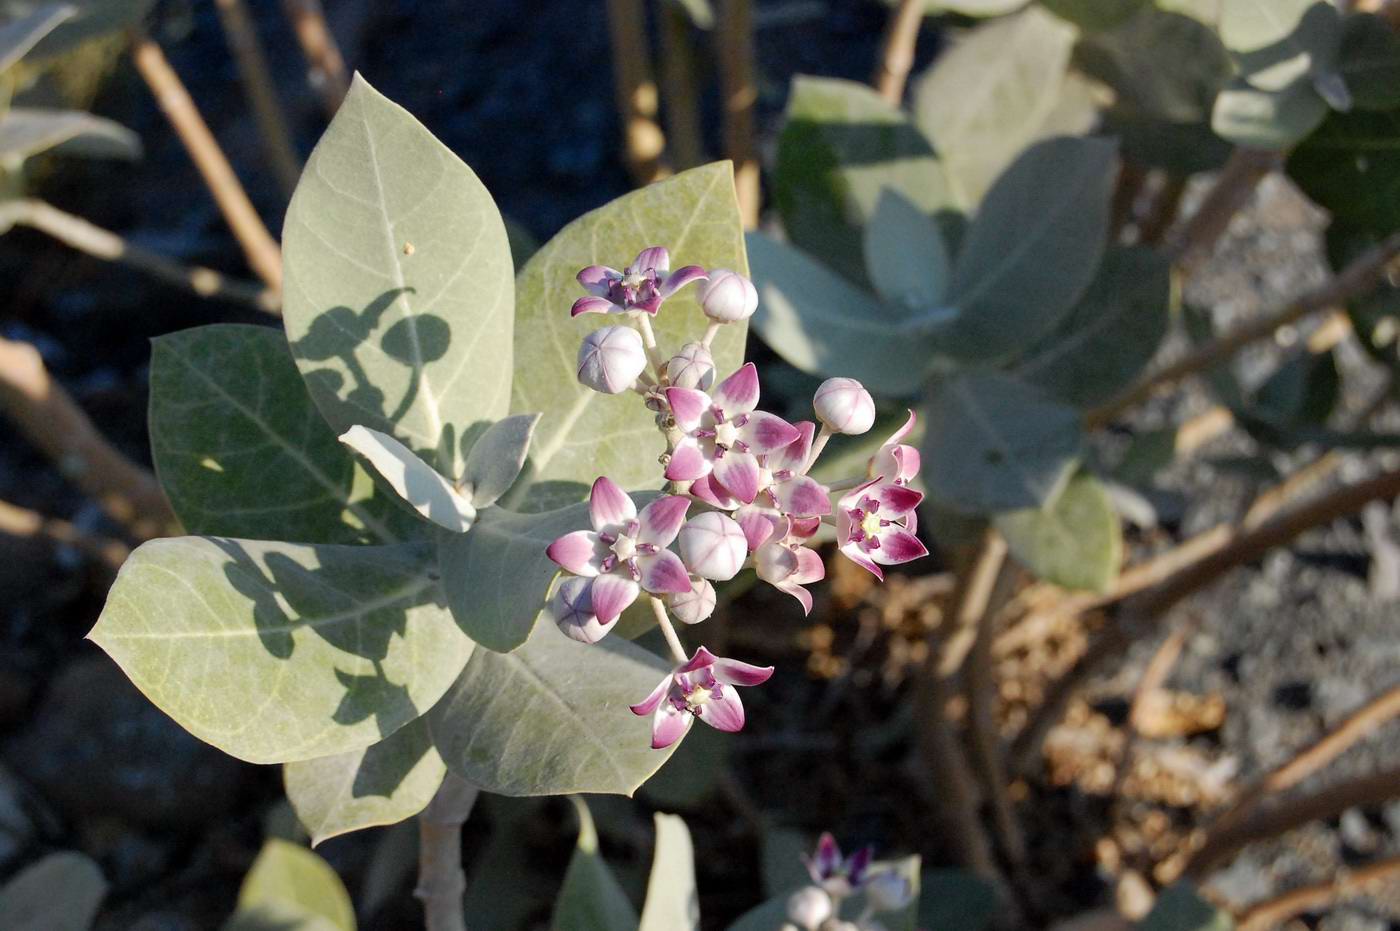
x=727, y=297
x=888, y=891
x=693, y=606
x=844, y=406
x=808, y=907
x=611, y=358
x=571, y=608
x=692, y=367
x=713, y=546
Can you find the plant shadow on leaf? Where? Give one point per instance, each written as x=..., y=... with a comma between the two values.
x=386, y=765
x=1316, y=36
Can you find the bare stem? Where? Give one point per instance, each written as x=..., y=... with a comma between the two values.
x=1162, y=211
x=897, y=49
x=79, y=234
x=635, y=90
x=1274, y=912
x=1232, y=189
x=54, y=423
x=20, y=522
x=680, y=95
x=668, y=630
x=441, y=882
x=263, y=254
x=261, y=93
x=818, y=444
x=326, y=66
x=649, y=343
x=739, y=91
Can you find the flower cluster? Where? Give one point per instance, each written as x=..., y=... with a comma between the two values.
x=834, y=880
x=745, y=471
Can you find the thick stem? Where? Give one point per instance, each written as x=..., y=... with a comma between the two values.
x=897, y=49
x=649, y=342
x=263, y=254
x=681, y=95
x=823, y=437
x=635, y=92
x=326, y=67
x=711, y=332
x=261, y=93
x=441, y=882
x=668, y=630
x=739, y=92
x=77, y=233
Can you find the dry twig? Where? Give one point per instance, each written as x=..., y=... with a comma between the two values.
x=739, y=91
x=1232, y=189
x=20, y=522
x=897, y=50
x=326, y=66
x=262, y=94
x=681, y=97
x=635, y=90
x=1274, y=912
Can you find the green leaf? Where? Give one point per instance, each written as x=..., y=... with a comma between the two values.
x=1111, y=334
x=551, y=718
x=21, y=34
x=904, y=253
x=242, y=452
x=1261, y=119
x=289, y=888
x=412, y=479
x=821, y=324
x=1276, y=42
x=1096, y=15
x=92, y=19
x=280, y=651
x=26, y=132
x=1369, y=62
x=583, y=434
x=497, y=457
x=496, y=577
x=843, y=144
x=61, y=892
x=986, y=99
x=590, y=899
x=992, y=443
x=1160, y=65
x=1299, y=396
x=398, y=294
x=1075, y=541
x=672, y=903
x=980, y=8
x=381, y=784
x=1179, y=908
x=1351, y=167
x=770, y=916
x=957, y=900
x=1033, y=249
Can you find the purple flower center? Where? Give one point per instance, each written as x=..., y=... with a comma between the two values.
x=625, y=549
x=635, y=288
x=691, y=691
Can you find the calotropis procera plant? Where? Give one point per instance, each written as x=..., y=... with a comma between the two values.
x=380, y=500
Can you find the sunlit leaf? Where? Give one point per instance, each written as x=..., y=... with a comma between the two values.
x=279, y=651
x=22, y=33
x=591, y=899
x=412, y=479
x=904, y=253
x=26, y=132
x=497, y=457
x=973, y=7
x=61, y=892
x=1096, y=15
x=1259, y=119
x=583, y=434
x=242, y=452
x=91, y=19
x=289, y=888
x=1276, y=42
x=1074, y=541
x=383, y=783
x=399, y=283
x=551, y=718
x=672, y=903
x=1160, y=65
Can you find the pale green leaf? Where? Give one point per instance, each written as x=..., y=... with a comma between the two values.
x=992, y=443
x=672, y=903
x=980, y=8
x=552, y=718
x=1262, y=119
x=1111, y=334
x=61, y=892
x=91, y=19
x=412, y=479
x=278, y=651
x=381, y=784
x=497, y=576
x=292, y=889
x=1276, y=42
x=825, y=326
x=985, y=100
x=1180, y=908
x=1075, y=541
x=1096, y=15
x=242, y=452
x=1369, y=62
x=1033, y=249
x=583, y=434
x=904, y=253
x=843, y=144
x=398, y=293
x=1160, y=65
x=591, y=899
x=497, y=457
x=22, y=33
x=26, y=132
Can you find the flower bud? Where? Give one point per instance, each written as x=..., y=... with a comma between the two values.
x=713, y=546
x=888, y=891
x=692, y=367
x=808, y=907
x=571, y=608
x=727, y=297
x=611, y=358
x=693, y=606
x=844, y=406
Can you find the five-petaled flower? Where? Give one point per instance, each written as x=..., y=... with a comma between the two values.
x=896, y=461
x=702, y=687
x=783, y=562
x=625, y=552
x=875, y=525
x=837, y=875
x=640, y=287
x=723, y=434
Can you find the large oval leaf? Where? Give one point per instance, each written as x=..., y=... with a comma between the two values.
x=672, y=902
x=1260, y=119
x=291, y=889
x=551, y=718
x=242, y=452
x=1075, y=541
x=591, y=898
x=583, y=434
x=1278, y=41
x=62, y=892
x=383, y=783
x=278, y=651
x=1033, y=249
x=399, y=290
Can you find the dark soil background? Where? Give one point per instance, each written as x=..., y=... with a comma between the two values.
x=522, y=92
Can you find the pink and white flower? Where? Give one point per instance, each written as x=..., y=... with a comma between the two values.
x=639, y=288
x=692, y=367
x=875, y=525
x=895, y=461
x=625, y=552
x=611, y=358
x=837, y=875
x=696, y=605
x=727, y=296
x=723, y=434
x=713, y=546
x=704, y=688
x=783, y=562
x=844, y=406
x=571, y=609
